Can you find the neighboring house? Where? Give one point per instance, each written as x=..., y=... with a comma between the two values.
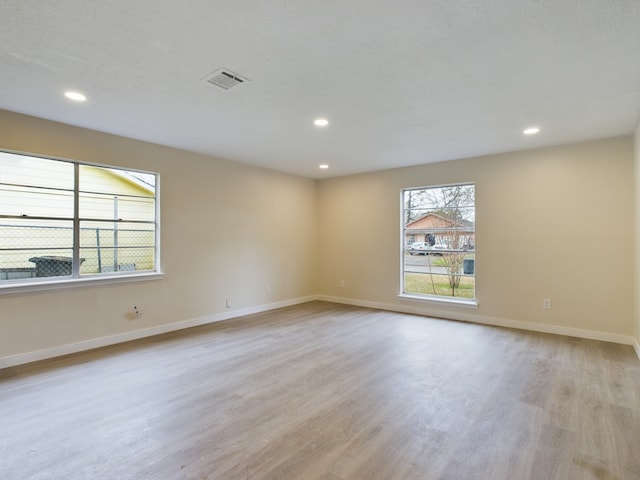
x=105, y=194
x=437, y=229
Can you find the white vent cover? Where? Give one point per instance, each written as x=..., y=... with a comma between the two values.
x=225, y=79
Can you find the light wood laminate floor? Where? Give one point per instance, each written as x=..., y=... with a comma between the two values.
x=328, y=392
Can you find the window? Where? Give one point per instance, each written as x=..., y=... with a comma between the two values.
x=69, y=220
x=438, y=234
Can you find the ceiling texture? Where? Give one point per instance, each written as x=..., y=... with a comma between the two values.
x=402, y=82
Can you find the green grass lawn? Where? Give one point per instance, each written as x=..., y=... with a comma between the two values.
x=441, y=262
x=438, y=285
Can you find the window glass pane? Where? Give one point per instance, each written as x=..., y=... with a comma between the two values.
x=35, y=186
x=116, y=246
x=32, y=248
x=35, y=202
x=34, y=171
x=438, y=284
x=439, y=241
x=114, y=207
x=116, y=194
x=116, y=181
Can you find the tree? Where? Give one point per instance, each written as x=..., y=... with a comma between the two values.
x=457, y=205
x=413, y=201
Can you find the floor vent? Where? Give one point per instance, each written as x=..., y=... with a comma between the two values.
x=225, y=79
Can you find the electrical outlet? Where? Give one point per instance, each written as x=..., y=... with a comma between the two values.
x=546, y=304
x=341, y=283
x=268, y=288
x=137, y=312
x=228, y=303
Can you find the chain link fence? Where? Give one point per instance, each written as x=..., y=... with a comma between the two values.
x=38, y=250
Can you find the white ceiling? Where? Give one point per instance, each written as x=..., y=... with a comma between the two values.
x=402, y=82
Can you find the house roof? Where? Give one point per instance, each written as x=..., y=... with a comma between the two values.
x=144, y=181
x=433, y=220
x=401, y=83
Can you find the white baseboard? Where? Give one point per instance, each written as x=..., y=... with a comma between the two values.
x=430, y=310
x=22, y=358
x=434, y=311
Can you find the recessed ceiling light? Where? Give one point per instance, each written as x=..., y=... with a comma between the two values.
x=75, y=96
x=321, y=122
x=531, y=131
x=323, y=166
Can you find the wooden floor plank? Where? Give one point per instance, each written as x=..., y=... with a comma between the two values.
x=327, y=392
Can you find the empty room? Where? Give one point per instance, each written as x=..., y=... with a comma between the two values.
x=320, y=241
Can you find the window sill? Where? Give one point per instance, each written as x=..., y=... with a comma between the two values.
x=52, y=285
x=454, y=302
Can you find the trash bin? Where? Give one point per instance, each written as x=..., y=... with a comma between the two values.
x=468, y=266
x=52, y=266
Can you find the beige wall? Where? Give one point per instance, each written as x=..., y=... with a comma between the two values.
x=227, y=230
x=552, y=223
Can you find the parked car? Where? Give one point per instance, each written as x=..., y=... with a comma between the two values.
x=419, y=248
x=441, y=246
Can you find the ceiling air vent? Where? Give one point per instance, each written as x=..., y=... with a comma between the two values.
x=225, y=79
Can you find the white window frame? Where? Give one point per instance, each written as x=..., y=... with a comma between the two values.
x=431, y=298
x=76, y=279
